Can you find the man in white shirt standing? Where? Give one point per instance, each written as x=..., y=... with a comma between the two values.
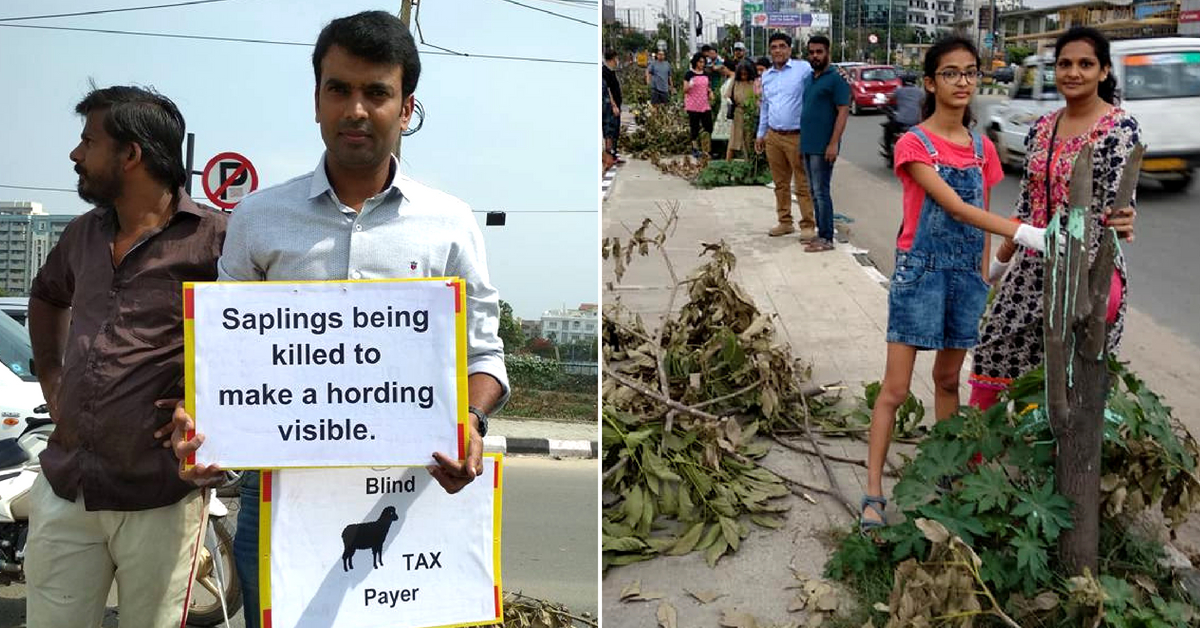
x=356, y=217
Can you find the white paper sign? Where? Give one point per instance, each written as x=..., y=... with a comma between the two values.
x=380, y=548
x=311, y=374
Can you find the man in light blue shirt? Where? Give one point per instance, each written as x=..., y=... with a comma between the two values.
x=356, y=217
x=779, y=135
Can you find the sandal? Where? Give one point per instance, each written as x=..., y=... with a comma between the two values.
x=818, y=245
x=876, y=503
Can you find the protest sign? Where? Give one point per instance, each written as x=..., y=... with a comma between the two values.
x=315, y=374
x=379, y=548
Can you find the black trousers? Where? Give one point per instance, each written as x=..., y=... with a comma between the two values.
x=698, y=119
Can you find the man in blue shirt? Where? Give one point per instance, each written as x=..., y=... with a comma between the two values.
x=779, y=135
x=826, y=107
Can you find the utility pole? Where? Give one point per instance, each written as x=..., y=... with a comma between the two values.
x=843, y=55
x=889, y=35
x=405, y=18
x=992, y=37
x=691, y=28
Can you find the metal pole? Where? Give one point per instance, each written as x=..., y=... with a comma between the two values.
x=691, y=28
x=992, y=33
x=191, y=151
x=843, y=55
x=405, y=18
x=889, y=35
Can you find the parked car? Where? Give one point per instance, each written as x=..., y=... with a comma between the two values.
x=871, y=86
x=1158, y=82
x=17, y=308
x=20, y=392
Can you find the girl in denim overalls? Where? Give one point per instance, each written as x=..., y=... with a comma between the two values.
x=937, y=291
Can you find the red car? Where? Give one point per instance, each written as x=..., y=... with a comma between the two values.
x=871, y=86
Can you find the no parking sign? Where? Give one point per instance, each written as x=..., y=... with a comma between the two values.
x=227, y=178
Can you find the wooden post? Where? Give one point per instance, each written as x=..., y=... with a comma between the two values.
x=1075, y=298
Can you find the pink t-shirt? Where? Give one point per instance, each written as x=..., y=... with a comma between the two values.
x=909, y=148
x=696, y=96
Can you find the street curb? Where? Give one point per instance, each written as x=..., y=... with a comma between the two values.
x=541, y=447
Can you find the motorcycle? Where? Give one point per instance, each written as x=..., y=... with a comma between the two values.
x=216, y=593
x=892, y=131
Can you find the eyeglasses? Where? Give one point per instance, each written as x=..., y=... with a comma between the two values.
x=952, y=76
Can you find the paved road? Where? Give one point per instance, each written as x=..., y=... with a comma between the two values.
x=1163, y=283
x=550, y=538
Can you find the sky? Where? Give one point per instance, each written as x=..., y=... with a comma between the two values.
x=518, y=136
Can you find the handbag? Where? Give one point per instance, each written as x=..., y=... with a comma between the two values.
x=731, y=108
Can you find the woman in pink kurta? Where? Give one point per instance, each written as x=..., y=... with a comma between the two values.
x=697, y=99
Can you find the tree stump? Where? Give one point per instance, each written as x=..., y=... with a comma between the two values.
x=1075, y=298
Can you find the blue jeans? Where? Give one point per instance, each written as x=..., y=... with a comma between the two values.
x=820, y=173
x=245, y=548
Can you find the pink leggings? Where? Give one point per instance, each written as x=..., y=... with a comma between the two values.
x=984, y=397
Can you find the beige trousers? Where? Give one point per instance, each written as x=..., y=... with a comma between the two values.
x=783, y=155
x=72, y=556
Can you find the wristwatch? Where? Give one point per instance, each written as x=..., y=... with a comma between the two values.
x=483, y=419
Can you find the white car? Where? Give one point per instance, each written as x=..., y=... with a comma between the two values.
x=19, y=389
x=1158, y=82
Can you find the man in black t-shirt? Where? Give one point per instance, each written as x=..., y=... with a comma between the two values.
x=612, y=126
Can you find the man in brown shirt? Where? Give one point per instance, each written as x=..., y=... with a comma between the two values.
x=106, y=323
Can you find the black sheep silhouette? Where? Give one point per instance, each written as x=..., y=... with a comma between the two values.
x=369, y=535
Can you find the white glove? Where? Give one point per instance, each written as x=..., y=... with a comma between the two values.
x=1031, y=237
x=997, y=269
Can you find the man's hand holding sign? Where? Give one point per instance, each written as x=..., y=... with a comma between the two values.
x=452, y=474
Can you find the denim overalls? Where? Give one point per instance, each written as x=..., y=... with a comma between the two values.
x=937, y=293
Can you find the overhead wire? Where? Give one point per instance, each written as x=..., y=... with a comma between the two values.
x=103, y=11
x=201, y=198
x=275, y=42
x=565, y=17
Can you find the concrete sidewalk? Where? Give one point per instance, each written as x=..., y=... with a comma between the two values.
x=831, y=310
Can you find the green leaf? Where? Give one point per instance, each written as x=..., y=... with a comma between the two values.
x=856, y=555
x=1119, y=593
x=617, y=560
x=959, y=519
x=623, y=544
x=988, y=488
x=688, y=541
x=906, y=539
x=942, y=458
x=729, y=530
x=633, y=505
x=715, y=552
x=710, y=537
x=912, y=491
x=1033, y=558
x=687, y=510
x=1044, y=509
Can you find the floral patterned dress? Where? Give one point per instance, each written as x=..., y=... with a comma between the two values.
x=1011, y=336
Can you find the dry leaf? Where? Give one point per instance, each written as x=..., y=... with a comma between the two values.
x=633, y=589
x=667, y=617
x=934, y=531
x=737, y=619
x=704, y=597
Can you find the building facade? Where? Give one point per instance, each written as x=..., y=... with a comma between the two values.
x=568, y=326
x=27, y=234
x=1038, y=28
